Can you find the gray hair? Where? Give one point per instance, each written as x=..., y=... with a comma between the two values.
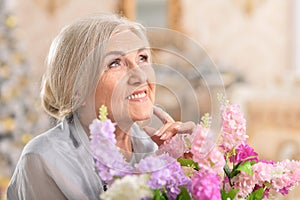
x=74, y=62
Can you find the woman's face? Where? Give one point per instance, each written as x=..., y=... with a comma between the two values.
x=126, y=86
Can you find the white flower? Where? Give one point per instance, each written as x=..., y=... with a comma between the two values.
x=132, y=187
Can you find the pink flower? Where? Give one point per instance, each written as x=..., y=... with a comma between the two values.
x=206, y=186
x=262, y=173
x=233, y=127
x=206, y=153
x=202, y=144
x=245, y=183
x=176, y=146
x=285, y=175
x=280, y=177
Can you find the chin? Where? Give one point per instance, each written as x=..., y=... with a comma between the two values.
x=140, y=112
x=140, y=116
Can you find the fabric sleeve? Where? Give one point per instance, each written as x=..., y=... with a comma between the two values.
x=31, y=181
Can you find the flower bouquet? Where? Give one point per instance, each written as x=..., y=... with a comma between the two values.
x=225, y=169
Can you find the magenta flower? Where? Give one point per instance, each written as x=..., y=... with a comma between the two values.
x=243, y=153
x=206, y=186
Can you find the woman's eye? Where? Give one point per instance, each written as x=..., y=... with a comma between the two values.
x=143, y=58
x=115, y=63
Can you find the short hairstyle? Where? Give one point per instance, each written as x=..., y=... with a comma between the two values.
x=74, y=61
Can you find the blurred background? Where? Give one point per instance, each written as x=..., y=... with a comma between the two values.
x=254, y=43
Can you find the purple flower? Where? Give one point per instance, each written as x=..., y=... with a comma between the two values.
x=103, y=130
x=109, y=161
x=206, y=186
x=168, y=174
x=154, y=163
x=244, y=152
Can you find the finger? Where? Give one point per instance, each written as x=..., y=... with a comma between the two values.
x=152, y=132
x=157, y=140
x=169, y=127
x=170, y=131
x=187, y=127
x=167, y=135
x=164, y=128
x=162, y=115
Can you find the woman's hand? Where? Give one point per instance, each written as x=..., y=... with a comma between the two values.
x=169, y=127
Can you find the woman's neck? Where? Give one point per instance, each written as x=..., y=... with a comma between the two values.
x=124, y=142
x=123, y=138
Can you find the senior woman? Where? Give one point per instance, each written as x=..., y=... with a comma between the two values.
x=99, y=60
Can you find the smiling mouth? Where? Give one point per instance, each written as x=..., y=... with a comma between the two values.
x=137, y=95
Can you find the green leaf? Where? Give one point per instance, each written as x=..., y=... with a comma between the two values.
x=256, y=195
x=252, y=162
x=245, y=167
x=231, y=173
x=234, y=173
x=158, y=195
x=183, y=195
x=188, y=163
x=236, y=166
x=231, y=194
x=227, y=170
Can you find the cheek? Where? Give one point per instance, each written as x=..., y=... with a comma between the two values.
x=103, y=91
x=153, y=89
x=149, y=71
x=108, y=89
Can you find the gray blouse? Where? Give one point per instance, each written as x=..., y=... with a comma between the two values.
x=58, y=164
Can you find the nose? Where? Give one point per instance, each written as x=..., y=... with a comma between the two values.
x=136, y=75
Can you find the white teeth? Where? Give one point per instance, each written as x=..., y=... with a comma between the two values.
x=135, y=96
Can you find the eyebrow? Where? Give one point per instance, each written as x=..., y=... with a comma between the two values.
x=121, y=53
x=115, y=53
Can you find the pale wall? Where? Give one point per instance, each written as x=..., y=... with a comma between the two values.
x=255, y=44
x=39, y=27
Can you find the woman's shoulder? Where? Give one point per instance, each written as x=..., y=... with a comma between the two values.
x=46, y=141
